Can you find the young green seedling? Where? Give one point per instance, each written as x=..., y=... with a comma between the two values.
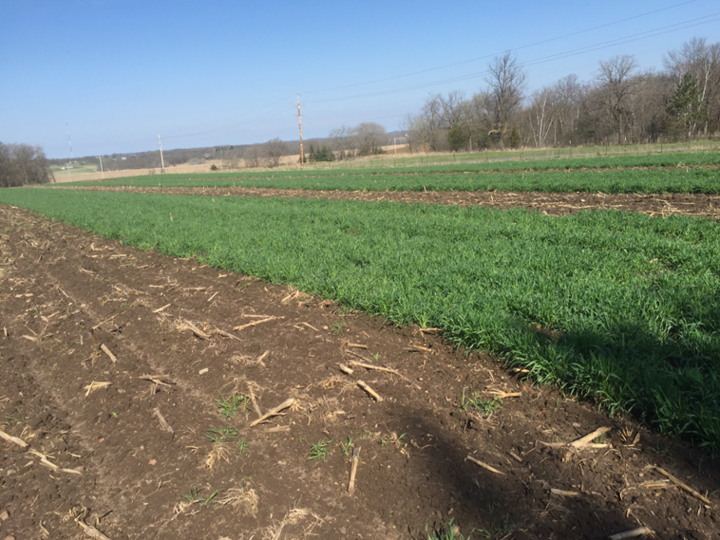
x=320, y=450
x=232, y=405
x=194, y=496
x=222, y=435
x=346, y=446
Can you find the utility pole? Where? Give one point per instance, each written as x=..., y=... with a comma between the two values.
x=162, y=161
x=101, y=167
x=302, y=155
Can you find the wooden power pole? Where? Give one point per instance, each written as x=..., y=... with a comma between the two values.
x=302, y=155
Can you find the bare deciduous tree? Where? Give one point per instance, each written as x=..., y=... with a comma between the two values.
x=251, y=155
x=432, y=122
x=274, y=150
x=506, y=81
x=369, y=137
x=479, y=111
x=542, y=116
x=342, y=142
x=22, y=164
x=617, y=85
x=567, y=99
x=417, y=132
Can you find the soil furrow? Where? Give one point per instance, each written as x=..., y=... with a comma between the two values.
x=664, y=204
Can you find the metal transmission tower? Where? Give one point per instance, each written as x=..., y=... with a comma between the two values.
x=67, y=128
x=302, y=155
x=162, y=161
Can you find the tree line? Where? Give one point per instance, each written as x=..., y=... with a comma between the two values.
x=22, y=165
x=621, y=105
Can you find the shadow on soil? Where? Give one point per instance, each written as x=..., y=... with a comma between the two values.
x=518, y=504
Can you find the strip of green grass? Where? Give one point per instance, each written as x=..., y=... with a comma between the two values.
x=561, y=152
x=636, y=299
x=515, y=163
x=350, y=169
x=613, y=181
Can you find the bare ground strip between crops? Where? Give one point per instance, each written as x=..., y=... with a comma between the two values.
x=700, y=205
x=118, y=435
x=389, y=171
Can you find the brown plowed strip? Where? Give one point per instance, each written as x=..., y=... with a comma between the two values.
x=663, y=204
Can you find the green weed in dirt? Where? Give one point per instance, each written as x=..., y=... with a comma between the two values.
x=194, y=496
x=242, y=445
x=320, y=450
x=223, y=434
x=345, y=447
x=338, y=327
x=499, y=531
x=475, y=401
x=449, y=532
x=234, y=404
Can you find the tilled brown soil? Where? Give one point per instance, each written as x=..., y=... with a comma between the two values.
x=551, y=203
x=65, y=292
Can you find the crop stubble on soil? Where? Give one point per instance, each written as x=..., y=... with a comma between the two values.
x=58, y=282
x=665, y=204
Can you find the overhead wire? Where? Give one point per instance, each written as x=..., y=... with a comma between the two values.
x=270, y=114
x=485, y=57
x=427, y=84
x=566, y=54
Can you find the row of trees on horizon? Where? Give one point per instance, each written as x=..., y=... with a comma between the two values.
x=622, y=104
x=22, y=165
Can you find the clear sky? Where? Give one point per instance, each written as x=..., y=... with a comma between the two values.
x=118, y=72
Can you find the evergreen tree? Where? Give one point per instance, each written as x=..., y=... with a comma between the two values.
x=456, y=137
x=685, y=109
x=515, y=138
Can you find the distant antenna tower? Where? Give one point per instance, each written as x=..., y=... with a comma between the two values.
x=69, y=141
x=71, y=151
x=302, y=156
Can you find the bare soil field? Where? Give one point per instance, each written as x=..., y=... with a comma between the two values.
x=62, y=177
x=551, y=203
x=115, y=361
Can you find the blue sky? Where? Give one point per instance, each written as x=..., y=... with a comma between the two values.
x=118, y=72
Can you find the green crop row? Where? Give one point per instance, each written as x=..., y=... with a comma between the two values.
x=350, y=168
x=633, y=302
x=607, y=181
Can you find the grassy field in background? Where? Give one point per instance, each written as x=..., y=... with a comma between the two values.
x=544, y=176
x=606, y=181
x=419, y=159
x=80, y=168
x=636, y=300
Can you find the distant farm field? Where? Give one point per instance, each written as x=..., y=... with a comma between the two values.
x=63, y=171
x=666, y=173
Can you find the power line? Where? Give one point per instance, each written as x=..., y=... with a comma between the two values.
x=619, y=41
x=270, y=114
x=566, y=54
x=485, y=57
